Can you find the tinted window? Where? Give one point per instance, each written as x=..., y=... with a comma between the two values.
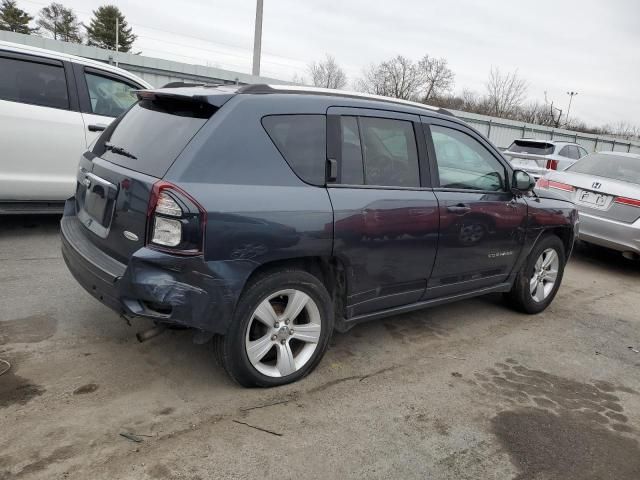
x=569, y=151
x=625, y=169
x=465, y=163
x=301, y=139
x=527, y=146
x=155, y=133
x=390, y=153
x=582, y=151
x=34, y=83
x=575, y=153
x=108, y=96
x=352, y=166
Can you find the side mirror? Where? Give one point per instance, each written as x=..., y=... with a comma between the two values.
x=522, y=181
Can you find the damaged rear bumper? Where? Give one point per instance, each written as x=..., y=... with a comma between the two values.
x=167, y=288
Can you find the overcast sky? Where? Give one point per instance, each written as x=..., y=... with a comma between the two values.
x=589, y=46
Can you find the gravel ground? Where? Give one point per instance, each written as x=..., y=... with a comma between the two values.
x=464, y=391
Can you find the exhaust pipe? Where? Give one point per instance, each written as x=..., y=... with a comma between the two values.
x=631, y=255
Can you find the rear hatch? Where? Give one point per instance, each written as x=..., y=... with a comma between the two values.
x=530, y=155
x=116, y=179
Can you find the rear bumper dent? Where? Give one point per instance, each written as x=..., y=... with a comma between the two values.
x=155, y=285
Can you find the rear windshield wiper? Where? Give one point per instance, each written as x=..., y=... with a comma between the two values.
x=119, y=150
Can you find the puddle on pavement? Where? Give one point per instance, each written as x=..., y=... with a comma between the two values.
x=558, y=428
x=33, y=329
x=543, y=444
x=16, y=390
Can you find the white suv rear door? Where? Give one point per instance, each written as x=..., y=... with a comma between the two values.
x=41, y=131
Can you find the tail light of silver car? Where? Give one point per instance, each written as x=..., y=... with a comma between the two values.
x=552, y=164
x=546, y=184
x=176, y=222
x=628, y=201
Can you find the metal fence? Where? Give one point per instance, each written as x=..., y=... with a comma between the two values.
x=159, y=72
x=503, y=132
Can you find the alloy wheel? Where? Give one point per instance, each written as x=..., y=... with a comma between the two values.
x=545, y=273
x=283, y=333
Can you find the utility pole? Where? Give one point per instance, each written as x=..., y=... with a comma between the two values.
x=117, y=39
x=257, y=39
x=571, y=95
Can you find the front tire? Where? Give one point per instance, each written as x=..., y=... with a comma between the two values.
x=280, y=330
x=538, y=281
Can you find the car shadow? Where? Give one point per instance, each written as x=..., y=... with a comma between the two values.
x=14, y=225
x=604, y=258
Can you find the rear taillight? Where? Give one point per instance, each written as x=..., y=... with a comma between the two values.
x=542, y=183
x=552, y=164
x=561, y=186
x=176, y=222
x=628, y=201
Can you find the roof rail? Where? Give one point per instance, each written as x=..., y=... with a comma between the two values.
x=259, y=88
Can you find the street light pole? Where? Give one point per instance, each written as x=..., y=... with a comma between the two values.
x=257, y=39
x=117, y=39
x=571, y=95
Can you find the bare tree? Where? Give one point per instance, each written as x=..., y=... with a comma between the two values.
x=437, y=77
x=298, y=79
x=624, y=130
x=327, y=74
x=505, y=92
x=399, y=78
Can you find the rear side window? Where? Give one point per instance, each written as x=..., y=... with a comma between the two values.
x=108, y=96
x=151, y=135
x=34, y=83
x=301, y=139
x=570, y=151
x=378, y=151
x=534, y=148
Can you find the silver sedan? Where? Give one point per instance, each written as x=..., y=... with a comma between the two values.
x=605, y=186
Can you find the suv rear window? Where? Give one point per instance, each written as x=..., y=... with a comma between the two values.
x=154, y=132
x=301, y=139
x=625, y=169
x=534, y=148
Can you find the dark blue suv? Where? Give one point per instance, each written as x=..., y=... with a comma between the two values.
x=269, y=216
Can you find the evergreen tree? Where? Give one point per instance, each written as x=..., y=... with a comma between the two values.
x=60, y=22
x=14, y=19
x=101, y=31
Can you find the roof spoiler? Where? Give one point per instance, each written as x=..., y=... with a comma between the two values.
x=196, y=95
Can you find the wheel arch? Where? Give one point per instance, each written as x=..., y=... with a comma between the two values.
x=328, y=269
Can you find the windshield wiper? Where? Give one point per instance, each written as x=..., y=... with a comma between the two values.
x=119, y=150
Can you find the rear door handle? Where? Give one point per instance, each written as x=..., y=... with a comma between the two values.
x=459, y=208
x=96, y=127
x=332, y=170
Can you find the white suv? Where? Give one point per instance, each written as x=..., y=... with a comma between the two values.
x=52, y=106
x=537, y=157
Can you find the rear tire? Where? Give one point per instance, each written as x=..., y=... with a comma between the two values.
x=280, y=330
x=538, y=281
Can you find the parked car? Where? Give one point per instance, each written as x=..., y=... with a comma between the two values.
x=52, y=106
x=537, y=157
x=354, y=207
x=606, y=189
